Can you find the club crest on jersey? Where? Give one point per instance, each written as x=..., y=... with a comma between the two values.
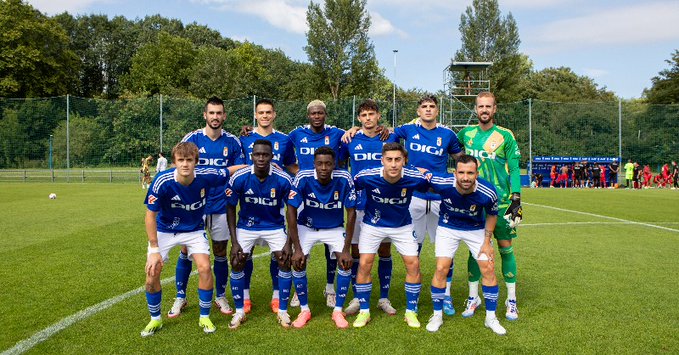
x=336, y=196
x=404, y=191
x=327, y=140
x=202, y=193
x=226, y=151
x=152, y=199
x=273, y=193
x=275, y=145
x=439, y=141
x=472, y=208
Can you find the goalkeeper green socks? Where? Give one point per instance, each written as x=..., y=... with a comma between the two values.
x=474, y=273
x=508, y=264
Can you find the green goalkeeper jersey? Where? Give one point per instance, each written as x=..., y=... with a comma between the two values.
x=498, y=156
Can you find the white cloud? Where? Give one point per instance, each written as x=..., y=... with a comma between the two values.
x=52, y=7
x=289, y=15
x=638, y=24
x=380, y=26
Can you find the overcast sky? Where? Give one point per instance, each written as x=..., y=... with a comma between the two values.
x=621, y=44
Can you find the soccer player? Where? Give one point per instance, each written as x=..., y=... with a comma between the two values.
x=577, y=174
x=284, y=157
x=306, y=140
x=675, y=175
x=146, y=172
x=261, y=190
x=174, y=216
x=162, y=163
x=613, y=169
x=218, y=149
x=469, y=214
x=364, y=152
x=325, y=193
x=498, y=155
x=389, y=190
x=596, y=175
x=629, y=173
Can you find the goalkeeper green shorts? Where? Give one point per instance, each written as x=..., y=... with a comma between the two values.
x=502, y=229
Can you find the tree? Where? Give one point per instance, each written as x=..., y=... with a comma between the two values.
x=34, y=56
x=339, y=48
x=563, y=85
x=489, y=37
x=665, y=89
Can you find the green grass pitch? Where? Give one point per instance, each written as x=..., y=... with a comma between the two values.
x=586, y=283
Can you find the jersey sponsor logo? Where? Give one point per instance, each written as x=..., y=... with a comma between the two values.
x=177, y=198
x=323, y=206
x=307, y=150
x=189, y=207
x=226, y=151
x=304, y=140
x=367, y=156
x=390, y=200
x=273, y=193
x=481, y=154
x=152, y=199
x=417, y=136
x=312, y=195
x=417, y=147
x=327, y=140
x=213, y=161
x=261, y=201
x=359, y=147
x=249, y=192
x=202, y=150
x=292, y=195
x=376, y=190
x=228, y=192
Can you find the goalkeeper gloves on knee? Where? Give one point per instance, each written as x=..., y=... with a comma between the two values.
x=514, y=213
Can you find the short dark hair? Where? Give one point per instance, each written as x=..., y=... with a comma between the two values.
x=214, y=100
x=325, y=150
x=265, y=102
x=368, y=105
x=465, y=159
x=387, y=147
x=426, y=98
x=263, y=142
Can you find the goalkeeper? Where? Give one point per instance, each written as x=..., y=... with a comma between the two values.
x=498, y=156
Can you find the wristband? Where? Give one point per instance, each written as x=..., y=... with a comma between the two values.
x=154, y=250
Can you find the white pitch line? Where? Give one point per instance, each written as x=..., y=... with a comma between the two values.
x=37, y=338
x=606, y=217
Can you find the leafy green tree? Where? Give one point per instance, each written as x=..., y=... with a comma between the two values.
x=13, y=145
x=489, y=37
x=35, y=59
x=665, y=89
x=85, y=142
x=201, y=35
x=339, y=48
x=563, y=85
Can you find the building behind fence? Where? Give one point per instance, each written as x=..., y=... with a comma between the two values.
x=73, y=134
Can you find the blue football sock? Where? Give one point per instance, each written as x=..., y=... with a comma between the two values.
x=249, y=266
x=412, y=295
x=384, y=267
x=182, y=273
x=419, y=248
x=343, y=280
x=237, y=282
x=301, y=286
x=205, y=301
x=354, y=271
x=363, y=292
x=221, y=270
x=449, y=277
x=273, y=270
x=330, y=267
x=490, y=293
x=284, y=284
x=153, y=301
x=437, y=296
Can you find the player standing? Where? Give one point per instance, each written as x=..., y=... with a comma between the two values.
x=162, y=163
x=469, y=214
x=388, y=192
x=306, y=140
x=261, y=190
x=325, y=193
x=498, y=155
x=218, y=149
x=284, y=157
x=174, y=216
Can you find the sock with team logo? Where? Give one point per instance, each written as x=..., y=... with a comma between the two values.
x=473, y=269
x=182, y=273
x=437, y=296
x=354, y=271
x=363, y=292
x=384, y=267
x=237, y=283
x=301, y=286
x=205, y=301
x=331, y=268
x=153, y=300
x=490, y=294
x=343, y=281
x=273, y=270
x=221, y=270
x=249, y=266
x=508, y=264
x=284, y=284
x=412, y=295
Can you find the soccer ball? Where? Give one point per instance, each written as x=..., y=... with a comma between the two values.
x=53, y=196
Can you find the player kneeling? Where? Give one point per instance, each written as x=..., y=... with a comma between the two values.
x=469, y=210
x=325, y=194
x=174, y=216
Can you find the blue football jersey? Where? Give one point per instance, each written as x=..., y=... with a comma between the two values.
x=283, y=150
x=323, y=204
x=386, y=203
x=364, y=153
x=219, y=154
x=306, y=142
x=180, y=208
x=428, y=149
x=465, y=212
x=261, y=202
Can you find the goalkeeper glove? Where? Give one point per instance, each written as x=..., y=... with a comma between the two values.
x=514, y=213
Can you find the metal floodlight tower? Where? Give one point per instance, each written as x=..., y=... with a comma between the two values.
x=462, y=81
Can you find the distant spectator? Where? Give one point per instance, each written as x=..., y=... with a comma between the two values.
x=577, y=175
x=638, y=175
x=596, y=175
x=602, y=181
x=162, y=163
x=675, y=175
x=613, y=169
x=629, y=174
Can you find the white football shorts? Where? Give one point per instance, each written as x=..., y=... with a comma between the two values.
x=195, y=242
x=403, y=238
x=275, y=238
x=425, y=215
x=448, y=240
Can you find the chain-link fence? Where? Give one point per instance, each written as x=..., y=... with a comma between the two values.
x=73, y=135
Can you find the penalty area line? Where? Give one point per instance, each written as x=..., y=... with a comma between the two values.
x=37, y=338
x=626, y=221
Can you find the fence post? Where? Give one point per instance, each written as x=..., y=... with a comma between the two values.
x=82, y=175
x=68, y=138
x=110, y=175
x=254, y=111
x=353, y=112
x=161, y=123
x=620, y=131
x=530, y=138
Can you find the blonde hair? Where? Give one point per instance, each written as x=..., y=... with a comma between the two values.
x=185, y=149
x=483, y=94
